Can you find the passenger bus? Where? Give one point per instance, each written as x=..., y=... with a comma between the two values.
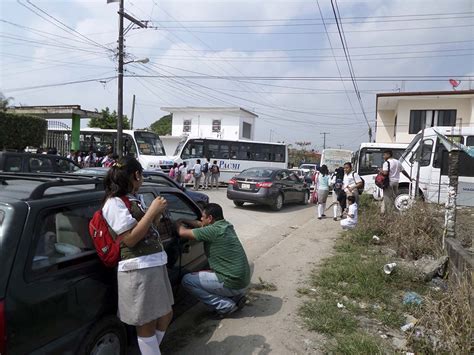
x=144, y=145
x=233, y=156
x=369, y=159
x=334, y=158
x=433, y=165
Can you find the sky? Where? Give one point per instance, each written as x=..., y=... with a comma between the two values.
x=64, y=52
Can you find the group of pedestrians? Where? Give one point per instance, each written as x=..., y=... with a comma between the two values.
x=346, y=185
x=206, y=173
x=145, y=296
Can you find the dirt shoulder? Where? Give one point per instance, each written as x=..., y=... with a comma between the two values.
x=269, y=323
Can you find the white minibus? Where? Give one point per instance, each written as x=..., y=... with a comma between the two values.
x=232, y=156
x=433, y=167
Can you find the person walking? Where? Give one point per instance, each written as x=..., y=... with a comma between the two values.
x=182, y=171
x=222, y=289
x=215, y=174
x=352, y=182
x=338, y=195
x=145, y=296
x=391, y=168
x=207, y=173
x=172, y=173
x=351, y=221
x=322, y=184
x=197, y=174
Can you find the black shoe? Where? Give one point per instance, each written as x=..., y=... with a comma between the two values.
x=320, y=217
x=323, y=215
x=335, y=218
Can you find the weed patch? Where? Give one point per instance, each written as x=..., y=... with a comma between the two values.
x=356, y=344
x=264, y=286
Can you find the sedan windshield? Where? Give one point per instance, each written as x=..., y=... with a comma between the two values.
x=256, y=172
x=149, y=143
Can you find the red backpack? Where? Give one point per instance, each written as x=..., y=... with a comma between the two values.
x=382, y=181
x=107, y=247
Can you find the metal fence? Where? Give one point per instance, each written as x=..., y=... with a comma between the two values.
x=58, y=136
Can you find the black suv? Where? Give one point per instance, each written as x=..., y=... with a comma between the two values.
x=36, y=163
x=56, y=297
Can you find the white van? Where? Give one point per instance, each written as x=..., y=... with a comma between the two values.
x=434, y=164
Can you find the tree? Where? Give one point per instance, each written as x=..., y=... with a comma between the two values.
x=4, y=102
x=19, y=131
x=162, y=127
x=108, y=120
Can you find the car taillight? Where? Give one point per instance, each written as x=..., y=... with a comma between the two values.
x=232, y=182
x=264, y=185
x=3, y=330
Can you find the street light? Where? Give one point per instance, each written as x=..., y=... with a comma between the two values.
x=120, y=89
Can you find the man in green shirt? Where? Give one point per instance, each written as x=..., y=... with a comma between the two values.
x=223, y=287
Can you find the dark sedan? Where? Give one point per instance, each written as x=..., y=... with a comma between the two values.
x=268, y=186
x=158, y=177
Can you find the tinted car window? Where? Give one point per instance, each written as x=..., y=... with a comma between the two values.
x=66, y=166
x=13, y=164
x=178, y=207
x=61, y=235
x=40, y=164
x=255, y=172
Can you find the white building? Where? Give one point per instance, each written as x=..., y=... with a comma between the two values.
x=213, y=122
x=402, y=115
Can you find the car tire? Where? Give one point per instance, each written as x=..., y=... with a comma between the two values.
x=305, y=198
x=108, y=336
x=238, y=203
x=278, y=203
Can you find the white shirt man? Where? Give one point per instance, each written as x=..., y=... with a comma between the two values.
x=197, y=174
x=391, y=168
x=394, y=168
x=351, y=182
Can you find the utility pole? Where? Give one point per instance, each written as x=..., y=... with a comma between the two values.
x=122, y=14
x=324, y=139
x=133, y=112
x=119, y=149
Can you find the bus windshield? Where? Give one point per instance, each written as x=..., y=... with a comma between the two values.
x=410, y=146
x=149, y=143
x=180, y=146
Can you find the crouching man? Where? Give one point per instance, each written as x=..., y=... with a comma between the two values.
x=223, y=287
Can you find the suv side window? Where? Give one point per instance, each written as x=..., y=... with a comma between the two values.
x=62, y=235
x=65, y=166
x=13, y=164
x=40, y=164
x=178, y=207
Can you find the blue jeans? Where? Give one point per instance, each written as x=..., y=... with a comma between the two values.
x=205, y=286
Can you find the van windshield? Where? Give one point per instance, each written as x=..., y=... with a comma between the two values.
x=3, y=214
x=149, y=143
x=410, y=146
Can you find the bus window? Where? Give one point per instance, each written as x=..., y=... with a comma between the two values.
x=149, y=143
x=470, y=141
x=466, y=168
x=426, y=152
x=193, y=149
x=234, y=150
x=370, y=160
x=223, y=151
x=280, y=153
x=129, y=146
x=246, y=151
x=212, y=149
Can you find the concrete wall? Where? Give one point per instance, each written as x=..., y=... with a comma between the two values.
x=385, y=119
x=201, y=123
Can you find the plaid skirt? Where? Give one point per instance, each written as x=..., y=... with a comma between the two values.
x=144, y=295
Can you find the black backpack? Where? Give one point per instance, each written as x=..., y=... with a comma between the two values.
x=205, y=168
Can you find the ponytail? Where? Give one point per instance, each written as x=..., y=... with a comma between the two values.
x=119, y=179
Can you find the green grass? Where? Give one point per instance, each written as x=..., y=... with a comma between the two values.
x=326, y=318
x=357, y=343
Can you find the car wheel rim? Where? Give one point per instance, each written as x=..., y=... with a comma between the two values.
x=108, y=344
x=279, y=202
x=403, y=202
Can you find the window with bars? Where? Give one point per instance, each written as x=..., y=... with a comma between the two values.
x=216, y=126
x=186, y=126
x=421, y=119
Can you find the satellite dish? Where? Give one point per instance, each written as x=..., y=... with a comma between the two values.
x=454, y=83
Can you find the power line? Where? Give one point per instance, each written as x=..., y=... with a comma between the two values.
x=310, y=19
x=60, y=84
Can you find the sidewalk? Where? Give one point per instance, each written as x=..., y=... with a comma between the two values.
x=269, y=324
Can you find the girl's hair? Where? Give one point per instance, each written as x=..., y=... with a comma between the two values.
x=339, y=173
x=324, y=170
x=175, y=165
x=119, y=179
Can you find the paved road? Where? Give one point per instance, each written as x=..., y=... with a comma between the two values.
x=284, y=247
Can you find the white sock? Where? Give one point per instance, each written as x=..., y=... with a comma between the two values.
x=319, y=210
x=335, y=210
x=159, y=336
x=149, y=345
